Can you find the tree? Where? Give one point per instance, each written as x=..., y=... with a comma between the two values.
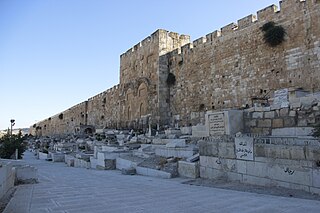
x=9, y=144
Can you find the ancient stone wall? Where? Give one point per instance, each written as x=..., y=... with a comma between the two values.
x=62, y=123
x=103, y=109
x=301, y=114
x=139, y=77
x=234, y=66
x=229, y=68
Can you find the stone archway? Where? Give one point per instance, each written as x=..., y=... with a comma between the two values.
x=142, y=110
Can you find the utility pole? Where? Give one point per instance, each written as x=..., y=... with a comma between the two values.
x=12, y=121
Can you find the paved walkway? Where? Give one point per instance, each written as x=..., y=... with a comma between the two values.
x=65, y=189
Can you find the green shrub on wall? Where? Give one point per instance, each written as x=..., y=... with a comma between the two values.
x=171, y=79
x=273, y=34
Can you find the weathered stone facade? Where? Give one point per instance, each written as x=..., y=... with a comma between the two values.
x=230, y=68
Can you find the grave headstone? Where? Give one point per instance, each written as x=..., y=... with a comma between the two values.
x=281, y=98
x=224, y=123
x=244, y=148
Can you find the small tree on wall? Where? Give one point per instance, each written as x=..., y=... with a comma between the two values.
x=171, y=79
x=61, y=116
x=273, y=34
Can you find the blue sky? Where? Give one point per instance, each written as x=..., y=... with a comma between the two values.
x=57, y=53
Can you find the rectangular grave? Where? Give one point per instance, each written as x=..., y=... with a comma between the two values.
x=224, y=122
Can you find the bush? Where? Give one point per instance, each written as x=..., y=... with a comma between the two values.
x=9, y=144
x=171, y=79
x=273, y=34
x=61, y=116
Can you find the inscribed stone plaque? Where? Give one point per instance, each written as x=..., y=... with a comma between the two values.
x=244, y=148
x=217, y=124
x=281, y=98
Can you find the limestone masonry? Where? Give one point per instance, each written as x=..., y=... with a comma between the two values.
x=233, y=68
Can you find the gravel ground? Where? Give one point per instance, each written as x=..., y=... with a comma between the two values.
x=276, y=191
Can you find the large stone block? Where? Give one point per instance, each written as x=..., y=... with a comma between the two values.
x=199, y=131
x=122, y=163
x=260, y=181
x=256, y=115
x=226, y=150
x=58, y=157
x=152, y=172
x=187, y=169
x=284, y=112
x=257, y=169
x=176, y=143
x=110, y=164
x=251, y=123
x=211, y=162
x=175, y=152
x=260, y=150
x=26, y=174
x=292, y=113
x=277, y=123
x=302, y=122
x=93, y=163
x=208, y=148
x=264, y=123
x=270, y=114
x=316, y=177
x=227, y=122
x=209, y=173
x=290, y=174
x=289, y=122
x=7, y=178
x=186, y=130
x=43, y=156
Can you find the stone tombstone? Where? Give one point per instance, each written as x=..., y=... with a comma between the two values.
x=244, y=148
x=281, y=98
x=217, y=123
x=224, y=122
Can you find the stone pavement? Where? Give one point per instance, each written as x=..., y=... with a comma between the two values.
x=67, y=189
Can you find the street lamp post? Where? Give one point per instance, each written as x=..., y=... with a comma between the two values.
x=12, y=121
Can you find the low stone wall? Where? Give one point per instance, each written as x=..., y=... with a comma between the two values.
x=122, y=163
x=7, y=178
x=69, y=160
x=300, y=112
x=26, y=174
x=80, y=163
x=43, y=156
x=290, y=163
x=58, y=157
x=152, y=172
x=175, y=152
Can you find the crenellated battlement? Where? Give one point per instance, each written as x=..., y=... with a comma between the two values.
x=267, y=13
x=156, y=39
x=272, y=12
x=105, y=93
x=246, y=21
x=143, y=43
